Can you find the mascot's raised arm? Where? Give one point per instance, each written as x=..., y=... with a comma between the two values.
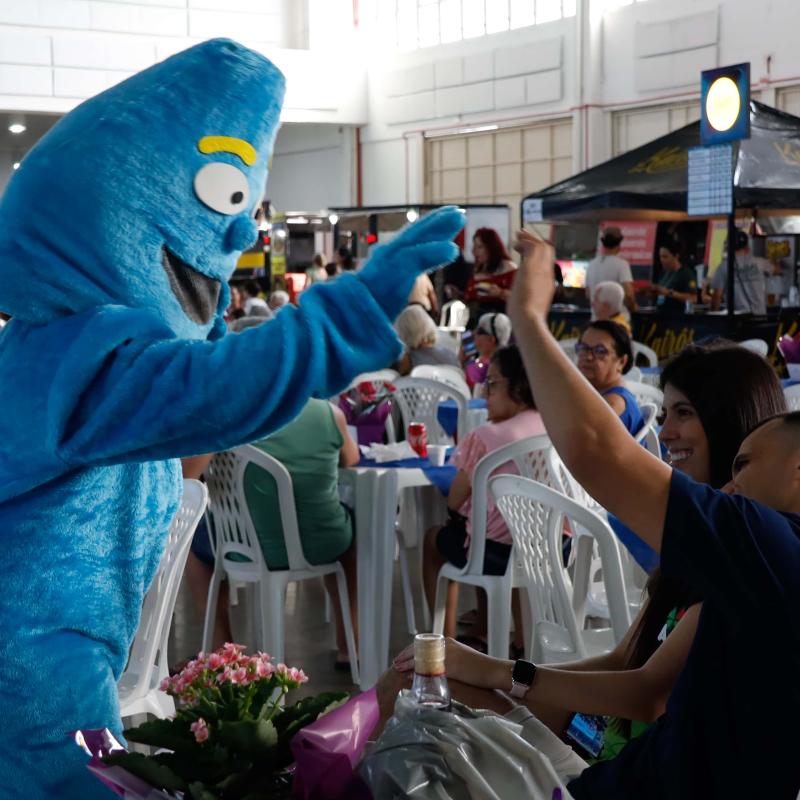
x=119, y=233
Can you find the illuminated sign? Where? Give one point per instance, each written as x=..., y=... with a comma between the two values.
x=725, y=104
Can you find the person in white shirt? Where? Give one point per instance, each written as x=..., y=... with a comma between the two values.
x=608, y=266
x=750, y=289
x=250, y=292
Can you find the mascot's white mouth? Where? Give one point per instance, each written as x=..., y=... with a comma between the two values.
x=197, y=293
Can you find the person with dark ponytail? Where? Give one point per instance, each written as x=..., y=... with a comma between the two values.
x=713, y=396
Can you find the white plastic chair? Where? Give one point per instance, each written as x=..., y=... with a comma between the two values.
x=147, y=664
x=568, y=346
x=454, y=315
x=646, y=352
x=418, y=401
x=449, y=338
x=378, y=376
x=236, y=537
x=535, y=516
x=792, y=395
x=647, y=435
x=645, y=393
x=756, y=346
x=634, y=374
x=533, y=457
x=444, y=373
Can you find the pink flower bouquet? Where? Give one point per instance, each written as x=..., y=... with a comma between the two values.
x=231, y=733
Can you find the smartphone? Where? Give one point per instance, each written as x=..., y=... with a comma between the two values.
x=588, y=731
x=468, y=344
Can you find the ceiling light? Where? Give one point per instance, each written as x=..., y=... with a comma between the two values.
x=17, y=127
x=333, y=218
x=16, y=165
x=412, y=215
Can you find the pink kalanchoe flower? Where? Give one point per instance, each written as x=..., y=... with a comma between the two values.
x=240, y=676
x=214, y=661
x=165, y=685
x=200, y=730
x=264, y=668
x=298, y=675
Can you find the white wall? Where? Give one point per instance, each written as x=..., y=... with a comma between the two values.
x=312, y=168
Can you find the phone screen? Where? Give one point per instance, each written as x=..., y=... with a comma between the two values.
x=588, y=730
x=468, y=344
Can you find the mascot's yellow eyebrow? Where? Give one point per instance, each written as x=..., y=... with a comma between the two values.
x=228, y=144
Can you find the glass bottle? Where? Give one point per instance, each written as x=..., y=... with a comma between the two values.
x=429, y=687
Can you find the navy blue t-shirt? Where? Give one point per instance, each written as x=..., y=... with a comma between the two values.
x=731, y=725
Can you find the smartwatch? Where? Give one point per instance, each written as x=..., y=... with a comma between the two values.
x=522, y=678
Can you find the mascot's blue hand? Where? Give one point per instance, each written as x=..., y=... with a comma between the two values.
x=393, y=267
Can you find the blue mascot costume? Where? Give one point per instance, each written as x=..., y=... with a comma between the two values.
x=118, y=235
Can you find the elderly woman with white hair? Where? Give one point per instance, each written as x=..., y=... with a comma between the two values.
x=608, y=303
x=417, y=332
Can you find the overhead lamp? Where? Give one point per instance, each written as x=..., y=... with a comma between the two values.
x=297, y=220
x=412, y=215
x=725, y=104
x=333, y=218
x=15, y=165
x=263, y=225
x=17, y=127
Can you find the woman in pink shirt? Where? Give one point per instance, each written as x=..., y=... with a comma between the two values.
x=512, y=416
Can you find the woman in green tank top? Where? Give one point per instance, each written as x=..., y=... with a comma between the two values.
x=312, y=447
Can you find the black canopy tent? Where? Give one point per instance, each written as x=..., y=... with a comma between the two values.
x=650, y=182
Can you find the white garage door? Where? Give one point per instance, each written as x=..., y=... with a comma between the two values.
x=636, y=127
x=788, y=100
x=499, y=166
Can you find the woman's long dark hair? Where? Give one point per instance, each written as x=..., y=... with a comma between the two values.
x=509, y=361
x=491, y=240
x=732, y=389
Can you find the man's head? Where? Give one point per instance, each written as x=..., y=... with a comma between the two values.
x=767, y=466
x=741, y=242
x=607, y=299
x=611, y=239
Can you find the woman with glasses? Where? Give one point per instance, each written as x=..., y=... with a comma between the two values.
x=512, y=416
x=604, y=355
x=492, y=332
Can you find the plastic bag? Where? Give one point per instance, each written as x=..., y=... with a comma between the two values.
x=327, y=751
x=457, y=755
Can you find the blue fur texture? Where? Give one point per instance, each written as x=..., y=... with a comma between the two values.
x=108, y=379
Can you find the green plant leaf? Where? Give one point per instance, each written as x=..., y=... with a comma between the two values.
x=148, y=769
x=198, y=791
x=256, y=738
x=209, y=765
x=172, y=734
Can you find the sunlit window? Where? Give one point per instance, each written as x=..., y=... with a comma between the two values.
x=411, y=24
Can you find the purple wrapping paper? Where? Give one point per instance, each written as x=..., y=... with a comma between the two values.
x=371, y=426
x=790, y=348
x=327, y=751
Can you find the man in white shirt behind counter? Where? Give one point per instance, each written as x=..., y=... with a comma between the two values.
x=608, y=266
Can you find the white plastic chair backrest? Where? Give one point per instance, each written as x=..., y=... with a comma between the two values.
x=533, y=457
x=233, y=525
x=443, y=373
x=535, y=515
x=634, y=374
x=647, y=434
x=756, y=346
x=568, y=346
x=792, y=395
x=645, y=393
x=418, y=400
x=149, y=648
x=380, y=376
x=449, y=338
x=646, y=352
x=454, y=315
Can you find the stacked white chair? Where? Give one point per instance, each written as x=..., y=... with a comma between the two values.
x=239, y=557
x=792, y=395
x=418, y=401
x=634, y=374
x=647, y=435
x=534, y=458
x=379, y=376
x=647, y=353
x=535, y=516
x=645, y=393
x=455, y=315
x=147, y=664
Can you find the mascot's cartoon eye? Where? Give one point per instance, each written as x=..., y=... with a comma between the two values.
x=222, y=188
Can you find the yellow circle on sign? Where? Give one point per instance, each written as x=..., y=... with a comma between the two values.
x=723, y=104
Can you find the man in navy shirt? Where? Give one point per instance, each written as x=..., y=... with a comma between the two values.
x=730, y=727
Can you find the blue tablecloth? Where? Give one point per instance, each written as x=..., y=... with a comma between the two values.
x=440, y=477
x=787, y=382
x=447, y=413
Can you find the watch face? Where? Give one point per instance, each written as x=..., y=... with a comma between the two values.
x=523, y=672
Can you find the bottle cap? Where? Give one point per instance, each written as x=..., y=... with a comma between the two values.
x=429, y=654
